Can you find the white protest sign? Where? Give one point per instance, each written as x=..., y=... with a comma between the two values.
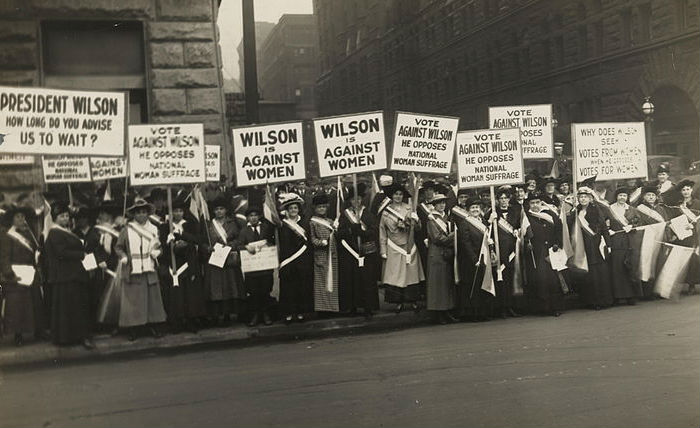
x=52, y=121
x=350, y=144
x=269, y=153
x=166, y=154
x=424, y=143
x=11, y=159
x=107, y=168
x=610, y=151
x=66, y=169
x=535, y=123
x=212, y=153
x=489, y=157
x=264, y=259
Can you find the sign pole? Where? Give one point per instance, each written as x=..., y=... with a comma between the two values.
x=499, y=274
x=414, y=208
x=173, y=262
x=357, y=212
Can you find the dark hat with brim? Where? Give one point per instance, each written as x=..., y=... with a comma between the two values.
x=685, y=183
x=253, y=210
x=13, y=210
x=437, y=198
x=59, y=208
x=622, y=189
x=320, y=199
x=140, y=203
x=474, y=201
x=662, y=168
x=361, y=189
x=181, y=203
x=219, y=201
x=650, y=189
x=461, y=192
x=157, y=193
x=533, y=196
x=396, y=187
x=550, y=180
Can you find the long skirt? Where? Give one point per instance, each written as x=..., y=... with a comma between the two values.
x=24, y=309
x=596, y=289
x=623, y=285
x=296, y=289
x=470, y=298
x=141, y=301
x=70, y=312
x=325, y=300
x=188, y=299
x=402, y=280
x=358, y=287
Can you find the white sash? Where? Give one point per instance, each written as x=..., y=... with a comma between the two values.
x=550, y=207
x=360, y=260
x=155, y=219
x=63, y=229
x=137, y=233
x=428, y=208
x=620, y=216
x=356, y=219
x=688, y=213
x=12, y=233
x=141, y=231
x=644, y=209
x=587, y=227
x=460, y=212
x=219, y=228
x=476, y=223
x=179, y=227
x=635, y=195
x=666, y=185
x=385, y=203
x=294, y=256
x=295, y=228
x=395, y=213
x=543, y=216
x=444, y=227
x=329, y=277
x=323, y=222
x=408, y=256
x=107, y=229
x=507, y=227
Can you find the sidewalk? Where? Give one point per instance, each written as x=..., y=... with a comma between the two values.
x=45, y=353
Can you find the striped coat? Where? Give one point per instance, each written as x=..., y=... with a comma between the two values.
x=324, y=300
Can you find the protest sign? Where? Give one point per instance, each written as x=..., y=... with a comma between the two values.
x=59, y=122
x=424, y=143
x=166, y=154
x=350, y=144
x=106, y=168
x=535, y=123
x=265, y=258
x=489, y=157
x=269, y=153
x=610, y=151
x=212, y=153
x=66, y=169
x=11, y=159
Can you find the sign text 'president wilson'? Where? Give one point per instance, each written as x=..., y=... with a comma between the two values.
x=350, y=144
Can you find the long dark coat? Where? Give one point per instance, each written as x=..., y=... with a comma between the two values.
x=470, y=296
x=506, y=245
x=358, y=285
x=24, y=309
x=222, y=284
x=440, y=281
x=296, y=277
x=546, y=294
x=624, y=257
x=70, y=306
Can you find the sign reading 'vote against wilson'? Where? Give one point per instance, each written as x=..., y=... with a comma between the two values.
x=489, y=157
x=350, y=144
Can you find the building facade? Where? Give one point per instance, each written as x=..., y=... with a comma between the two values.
x=164, y=53
x=262, y=30
x=289, y=64
x=594, y=60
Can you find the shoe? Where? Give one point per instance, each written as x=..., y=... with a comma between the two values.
x=255, y=320
x=597, y=307
x=442, y=319
x=416, y=308
x=556, y=314
x=288, y=319
x=399, y=308
x=88, y=343
x=266, y=319
x=131, y=336
x=19, y=341
x=450, y=318
x=156, y=333
x=300, y=318
x=512, y=313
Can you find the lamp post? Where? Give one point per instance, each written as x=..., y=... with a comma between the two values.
x=648, y=110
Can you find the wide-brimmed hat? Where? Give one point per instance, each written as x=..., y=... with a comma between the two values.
x=474, y=201
x=429, y=184
x=291, y=198
x=396, y=187
x=181, y=202
x=585, y=190
x=533, y=196
x=59, y=208
x=650, y=188
x=13, y=210
x=464, y=192
x=219, y=201
x=253, y=209
x=622, y=189
x=140, y=203
x=320, y=198
x=548, y=180
x=438, y=197
x=685, y=183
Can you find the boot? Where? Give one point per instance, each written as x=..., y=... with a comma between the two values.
x=254, y=320
x=266, y=318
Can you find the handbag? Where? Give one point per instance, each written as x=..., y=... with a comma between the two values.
x=368, y=247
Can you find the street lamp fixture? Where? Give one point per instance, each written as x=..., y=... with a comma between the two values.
x=648, y=110
x=555, y=122
x=647, y=107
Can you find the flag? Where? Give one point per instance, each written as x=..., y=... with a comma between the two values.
x=519, y=277
x=270, y=208
x=375, y=187
x=649, y=251
x=339, y=199
x=48, y=220
x=554, y=173
x=201, y=203
x=674, y=270
x=194, y=206
x=565, y=234
x=108, y=193
x=487, y=284
x=578, y=261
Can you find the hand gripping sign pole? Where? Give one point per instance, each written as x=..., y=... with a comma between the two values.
x=499, y=272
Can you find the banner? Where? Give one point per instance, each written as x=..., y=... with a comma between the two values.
x=59, y=122
x=610, y=151
x=11, y=159
x=106, y=168
x=269, y=153
x=489, y=157
x=66, y=169
x=166, y=154
x=350, y=144
x=212, y=153
x=424, y=143
x=535, y=123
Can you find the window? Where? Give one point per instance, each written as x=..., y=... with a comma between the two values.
x=681, y=14
x=645, y=22
x=626, y=28
x=74, y=57
x=582, y=42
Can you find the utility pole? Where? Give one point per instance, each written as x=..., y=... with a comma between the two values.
x=250, y=63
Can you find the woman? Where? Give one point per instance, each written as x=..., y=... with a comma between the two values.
x=322, y=235
x=70, y=306
x=596, y=289
x=24, y=310
x=440, y=283
x=622, y=256
x=359, y=256
x=185, y=304
x=224, y=285
x=138, y=248
x=402, y=272
x=296, y=265
x=691, y=208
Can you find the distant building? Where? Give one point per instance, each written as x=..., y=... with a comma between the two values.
x=262, y=30
x=593, y=60
x=289, y=64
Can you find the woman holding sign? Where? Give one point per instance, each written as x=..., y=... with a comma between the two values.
x=296, y=295
x=403, y=271
x=223, y=284
x=20, y=278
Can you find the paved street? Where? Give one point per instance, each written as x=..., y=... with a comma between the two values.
x=630, y=366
